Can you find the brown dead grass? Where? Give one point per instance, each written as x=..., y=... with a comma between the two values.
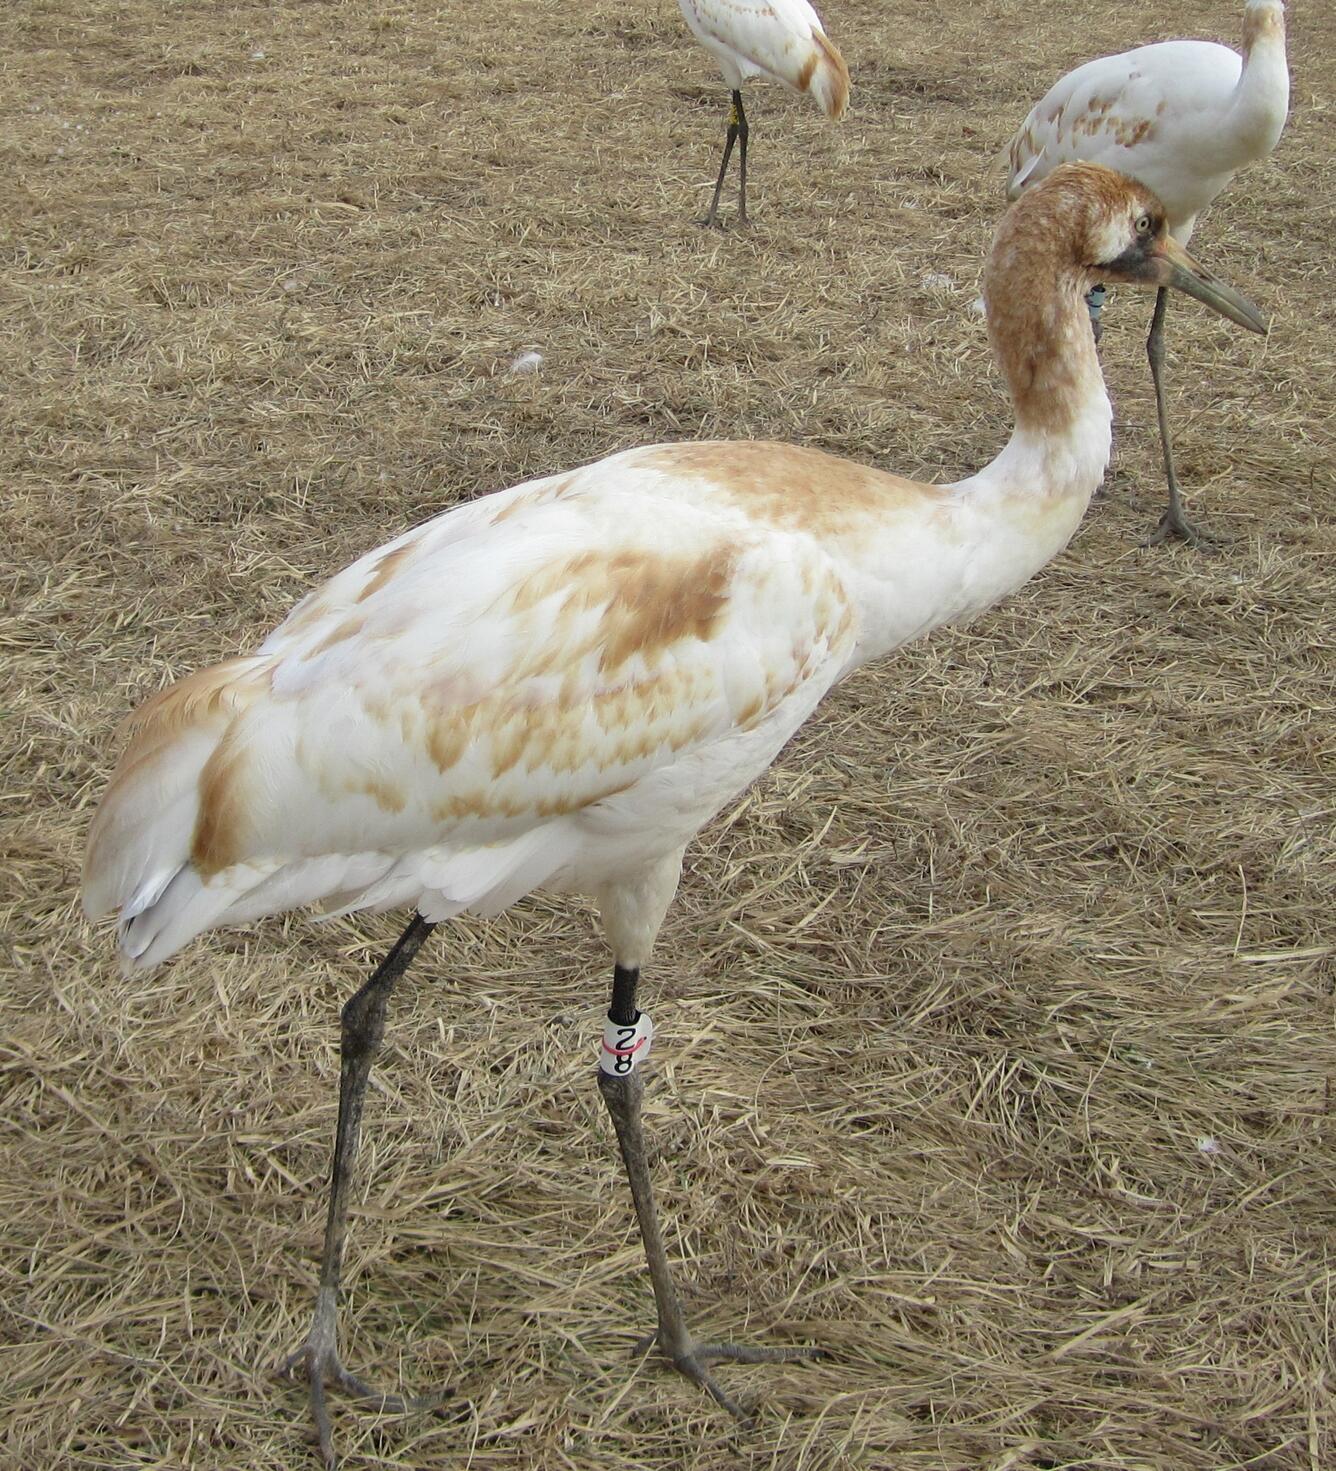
x=996, y=1022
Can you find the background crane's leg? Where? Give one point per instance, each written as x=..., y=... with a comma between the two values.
x=711, y=220
x=622, y=1093
x=1095, y=306
x=1173, y=522
x=362, y=1030
x=742, y=157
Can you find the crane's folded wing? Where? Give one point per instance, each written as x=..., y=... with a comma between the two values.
x=452, y=718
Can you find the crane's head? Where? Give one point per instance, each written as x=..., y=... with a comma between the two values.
x=1112, y=229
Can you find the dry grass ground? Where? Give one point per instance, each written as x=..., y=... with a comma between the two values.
x=997, y=1021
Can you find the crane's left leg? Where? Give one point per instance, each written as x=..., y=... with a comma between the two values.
x=742, y=158
x=626, y=1042
x=363, y=1027
x=1173, y=522
x=711, y=220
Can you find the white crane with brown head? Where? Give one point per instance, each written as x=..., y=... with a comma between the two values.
x=1182, y=117
x=559, y=684
x=780, y=39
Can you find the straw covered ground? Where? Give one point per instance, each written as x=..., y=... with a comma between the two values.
x=996, y=1022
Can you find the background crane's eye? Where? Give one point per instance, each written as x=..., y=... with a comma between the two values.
x=1144, y=224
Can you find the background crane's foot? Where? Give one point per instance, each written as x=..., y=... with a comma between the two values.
x=713, y=222
x=690, y=1359
x=319, y=1364
x=1175, y=526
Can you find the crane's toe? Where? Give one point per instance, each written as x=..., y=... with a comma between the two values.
x=319, y=1364
x=1174, y=526
x=691, y=1358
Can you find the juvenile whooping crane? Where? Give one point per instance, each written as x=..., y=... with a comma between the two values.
x=1182, y=117
x=559, y=684
x=783, y=39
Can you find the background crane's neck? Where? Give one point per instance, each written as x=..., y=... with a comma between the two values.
x=1262, y=98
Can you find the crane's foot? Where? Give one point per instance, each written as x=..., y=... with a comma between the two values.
x=713, y=222
x=690, y=1358
x=319, y=1363
x=1174, y=526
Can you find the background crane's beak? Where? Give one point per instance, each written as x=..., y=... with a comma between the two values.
x=1171, y=265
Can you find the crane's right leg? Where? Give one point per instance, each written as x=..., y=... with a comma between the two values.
x=711, y=220
x=362, y=1030
x=626, y=1043
x=1173, y=522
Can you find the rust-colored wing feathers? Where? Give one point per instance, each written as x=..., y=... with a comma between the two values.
x=484, y=677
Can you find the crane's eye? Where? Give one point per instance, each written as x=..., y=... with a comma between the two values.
x=1144, y=225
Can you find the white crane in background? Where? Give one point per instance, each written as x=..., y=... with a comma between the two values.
x=781, y=39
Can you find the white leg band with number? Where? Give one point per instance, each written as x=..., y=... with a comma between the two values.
x=625, y=1047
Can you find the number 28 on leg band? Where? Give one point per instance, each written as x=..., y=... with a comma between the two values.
x=625, y=1047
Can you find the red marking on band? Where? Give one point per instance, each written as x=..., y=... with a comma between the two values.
x=625, y=1051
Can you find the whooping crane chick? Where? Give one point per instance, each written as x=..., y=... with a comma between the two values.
x=783, y=39
x=1182, y=117
x=559, y=684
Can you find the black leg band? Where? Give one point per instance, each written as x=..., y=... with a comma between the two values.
x=623, y=1008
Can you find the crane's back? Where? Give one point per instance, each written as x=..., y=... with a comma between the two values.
x=542, y=687
x=1182, y=117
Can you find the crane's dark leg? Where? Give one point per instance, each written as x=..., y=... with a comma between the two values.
x=742, y=157
x=362, y=1030
x=1095, y=306
x=1173, y=522
x=711, y=220
x=622, y=1093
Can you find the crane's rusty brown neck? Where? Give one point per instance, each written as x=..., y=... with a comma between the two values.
x=1034, y=285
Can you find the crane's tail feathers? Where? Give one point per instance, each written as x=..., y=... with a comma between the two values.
x=829, y=80
x=1020, y=158
x=141, y=857
x=443, y=882
x=168, y=910
x=184, y=906
x=141, y=835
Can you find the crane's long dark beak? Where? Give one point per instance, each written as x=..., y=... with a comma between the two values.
x=1171, y=265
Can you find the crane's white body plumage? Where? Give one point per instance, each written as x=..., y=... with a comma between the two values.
x=559, y=684
x=1181, y=116
x=493, y=702
x=780, y=39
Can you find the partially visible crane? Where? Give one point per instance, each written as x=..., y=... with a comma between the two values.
x=782, y=39
x=1182, y=117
